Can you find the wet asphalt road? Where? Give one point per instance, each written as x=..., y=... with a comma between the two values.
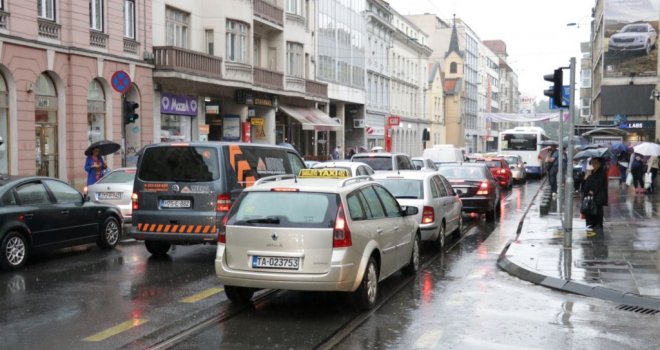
x=84, y=298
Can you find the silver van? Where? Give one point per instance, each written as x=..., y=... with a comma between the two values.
x=182, y=191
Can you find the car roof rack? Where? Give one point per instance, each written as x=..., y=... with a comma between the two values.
x=275, y=178
x=355, y=179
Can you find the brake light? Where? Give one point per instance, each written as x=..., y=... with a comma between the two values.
x=483, y=189
x=502, y=171
x=85, y=189
x=428, y=215
x=222, y=233
x=341, y=235
x=223, y=203
x=134, y=201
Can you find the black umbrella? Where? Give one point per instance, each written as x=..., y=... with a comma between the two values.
x=105, y=147
x=603, y=152
x=588, y=146
x=549, y=143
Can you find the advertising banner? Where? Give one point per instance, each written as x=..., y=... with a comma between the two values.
x=631, y=37
x=178, y=104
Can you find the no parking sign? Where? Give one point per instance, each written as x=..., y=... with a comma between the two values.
x=120, y=81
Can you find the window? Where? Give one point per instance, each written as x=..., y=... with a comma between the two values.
x=96, y=15
x=95, y=112
x=63, y=193
x=375, y=207
x=32, y=193
x=391, y=205
x=294, y=59
x=294, y=6
x=129, y=19
x=177, y=28
x=46, y=9
x=209, y=41
x=237, y=39
x=453, y=67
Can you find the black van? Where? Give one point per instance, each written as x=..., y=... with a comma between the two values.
x=182, y=191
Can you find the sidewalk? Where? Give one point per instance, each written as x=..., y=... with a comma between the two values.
x=621, y=264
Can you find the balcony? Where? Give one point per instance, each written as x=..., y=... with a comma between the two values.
x=98, y=39
x=268, y=79
x=4, y=19
x=268, y=12
x=131, y=46
x=48, y=29
x=170, y=58
x=316, y=89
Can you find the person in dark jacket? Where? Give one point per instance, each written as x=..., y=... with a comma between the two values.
x=595, y=184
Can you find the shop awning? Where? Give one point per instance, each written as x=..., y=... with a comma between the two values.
x=312, y=118
x=606, y=131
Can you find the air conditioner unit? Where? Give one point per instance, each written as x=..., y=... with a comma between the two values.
x=358, y=123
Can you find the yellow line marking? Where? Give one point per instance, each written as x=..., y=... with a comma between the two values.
x=103, y=335
x=201, y=295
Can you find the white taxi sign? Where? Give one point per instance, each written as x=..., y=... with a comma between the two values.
x=324, y=173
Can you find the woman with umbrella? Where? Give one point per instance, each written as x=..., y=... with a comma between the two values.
x=95, y=164
x=595, y=185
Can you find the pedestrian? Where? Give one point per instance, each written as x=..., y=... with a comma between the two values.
x=351, y=153
x=652, y=166
x=552, y=164
x=637, y=168
x=622, y=159
x=94, y=166
x=595, y=185
x=336, y=153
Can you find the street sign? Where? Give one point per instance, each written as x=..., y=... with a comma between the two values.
x=121, y=81
x=566, y=97
x=393, y=120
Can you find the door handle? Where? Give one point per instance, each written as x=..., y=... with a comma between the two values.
x=65, y=212
x=379, y=230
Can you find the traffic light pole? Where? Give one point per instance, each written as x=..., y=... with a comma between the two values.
x=568, y=208
x=560, y=176
x=123, y=130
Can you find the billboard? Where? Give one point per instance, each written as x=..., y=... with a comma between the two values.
x=631, y=37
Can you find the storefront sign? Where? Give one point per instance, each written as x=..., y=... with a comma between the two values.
x=637, y=125
x=393, y=120
x=231, y=127
x=257, y=121
x=204, y=129
x=178, y=104
x=247, y=97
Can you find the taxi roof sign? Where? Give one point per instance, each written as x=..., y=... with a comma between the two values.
x=324, y=173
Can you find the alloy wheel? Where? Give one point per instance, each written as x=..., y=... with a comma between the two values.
x=15, y=251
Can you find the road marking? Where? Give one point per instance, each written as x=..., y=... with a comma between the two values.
x=429, y=340
x=103, y=335
x=201, y=295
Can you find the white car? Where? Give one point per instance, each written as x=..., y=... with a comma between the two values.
x=634, y=37
x=354, y=168
x=316, y=234
x=517, y=166
x=115, y=188
x=438, y=205
x=424, y=163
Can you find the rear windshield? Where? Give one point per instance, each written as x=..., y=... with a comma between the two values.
x=376, y=163
x=511, y=160
x=403, y=188
x=286, y=209
x=492, y=163
x=118, y=177
x=468, y=173
x=179, y=164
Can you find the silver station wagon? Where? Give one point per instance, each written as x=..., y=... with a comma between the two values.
x=318, y=231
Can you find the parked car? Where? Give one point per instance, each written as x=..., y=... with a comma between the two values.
x=43, y=213
x=475, y=186
x=500, y=170
x=316, y=234
x=640, y=37
x=114, y=188
x=440, y=209
x=444, y=153
x=382, y=161
x=424, y=163
x=517, y=166
x=354, y=168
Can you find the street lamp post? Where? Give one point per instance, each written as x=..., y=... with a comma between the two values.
x=568, y=209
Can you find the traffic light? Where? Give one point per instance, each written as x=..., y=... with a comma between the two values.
x=130, y=115
x=556, y=92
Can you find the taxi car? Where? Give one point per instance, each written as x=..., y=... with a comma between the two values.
x=318, y=231
x=439, y=206
x=354, y=168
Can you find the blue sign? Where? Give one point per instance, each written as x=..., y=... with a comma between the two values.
x=120, y=81
x=566, y=97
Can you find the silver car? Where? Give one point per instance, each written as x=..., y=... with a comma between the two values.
x=316, y=234
x=438, y=205
x=114, y=188
x=517, y=166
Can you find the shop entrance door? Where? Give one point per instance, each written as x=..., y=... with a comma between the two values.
x=46, y=149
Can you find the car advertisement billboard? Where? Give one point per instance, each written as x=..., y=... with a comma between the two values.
x=631, y=37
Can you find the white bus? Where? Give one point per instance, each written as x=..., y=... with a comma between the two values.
x=526, y=142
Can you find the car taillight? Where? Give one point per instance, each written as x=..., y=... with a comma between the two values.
x=428, y=215
x=85, y=189
x=222, y=233
x=223, y=203
x=502, y=171
x=483, y=189
x=134, y=201
x=341, y=235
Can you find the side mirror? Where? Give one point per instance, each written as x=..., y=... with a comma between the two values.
x=409, y=210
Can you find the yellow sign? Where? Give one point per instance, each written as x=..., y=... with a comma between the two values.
x=324, y=173
x=257, y=121
x=204, y=129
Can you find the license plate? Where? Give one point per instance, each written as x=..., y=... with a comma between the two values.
x=272, y=262
x=109, y=195
x=175, y=203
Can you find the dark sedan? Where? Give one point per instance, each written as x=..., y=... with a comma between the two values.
x=43, y=213
x=475, y=186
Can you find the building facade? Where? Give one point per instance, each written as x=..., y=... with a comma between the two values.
x=56, y=96
x=488, y=101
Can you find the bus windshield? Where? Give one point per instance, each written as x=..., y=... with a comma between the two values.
x=519, y=142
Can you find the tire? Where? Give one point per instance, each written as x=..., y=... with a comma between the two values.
x=239, y=295
x=109, y=235
x=439, y=242
x=648, y=48
x=14, y=249
x=157, y=248
x=413, y=264
x=459, y=230
x=367, y=293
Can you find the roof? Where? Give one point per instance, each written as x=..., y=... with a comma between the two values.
x=453, y=42
x=312, y=184
x=452, y=86
x=406, y=174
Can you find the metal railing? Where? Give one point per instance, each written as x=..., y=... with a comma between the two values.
x=184, y=60
x=268, y=12
x=268, y=79
x=48, y=29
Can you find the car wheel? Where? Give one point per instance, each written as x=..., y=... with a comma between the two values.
x=367, y=293
x=109, y=233
x=239, y=295
x=413, y=264
x=439, y=242
x=157, y=248
x=459, y=229
x=14, y=251
x=648, y=47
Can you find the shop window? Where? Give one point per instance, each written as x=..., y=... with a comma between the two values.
x=95, y=112
x=45, y=115
x=4, y=116
x=175, y=128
